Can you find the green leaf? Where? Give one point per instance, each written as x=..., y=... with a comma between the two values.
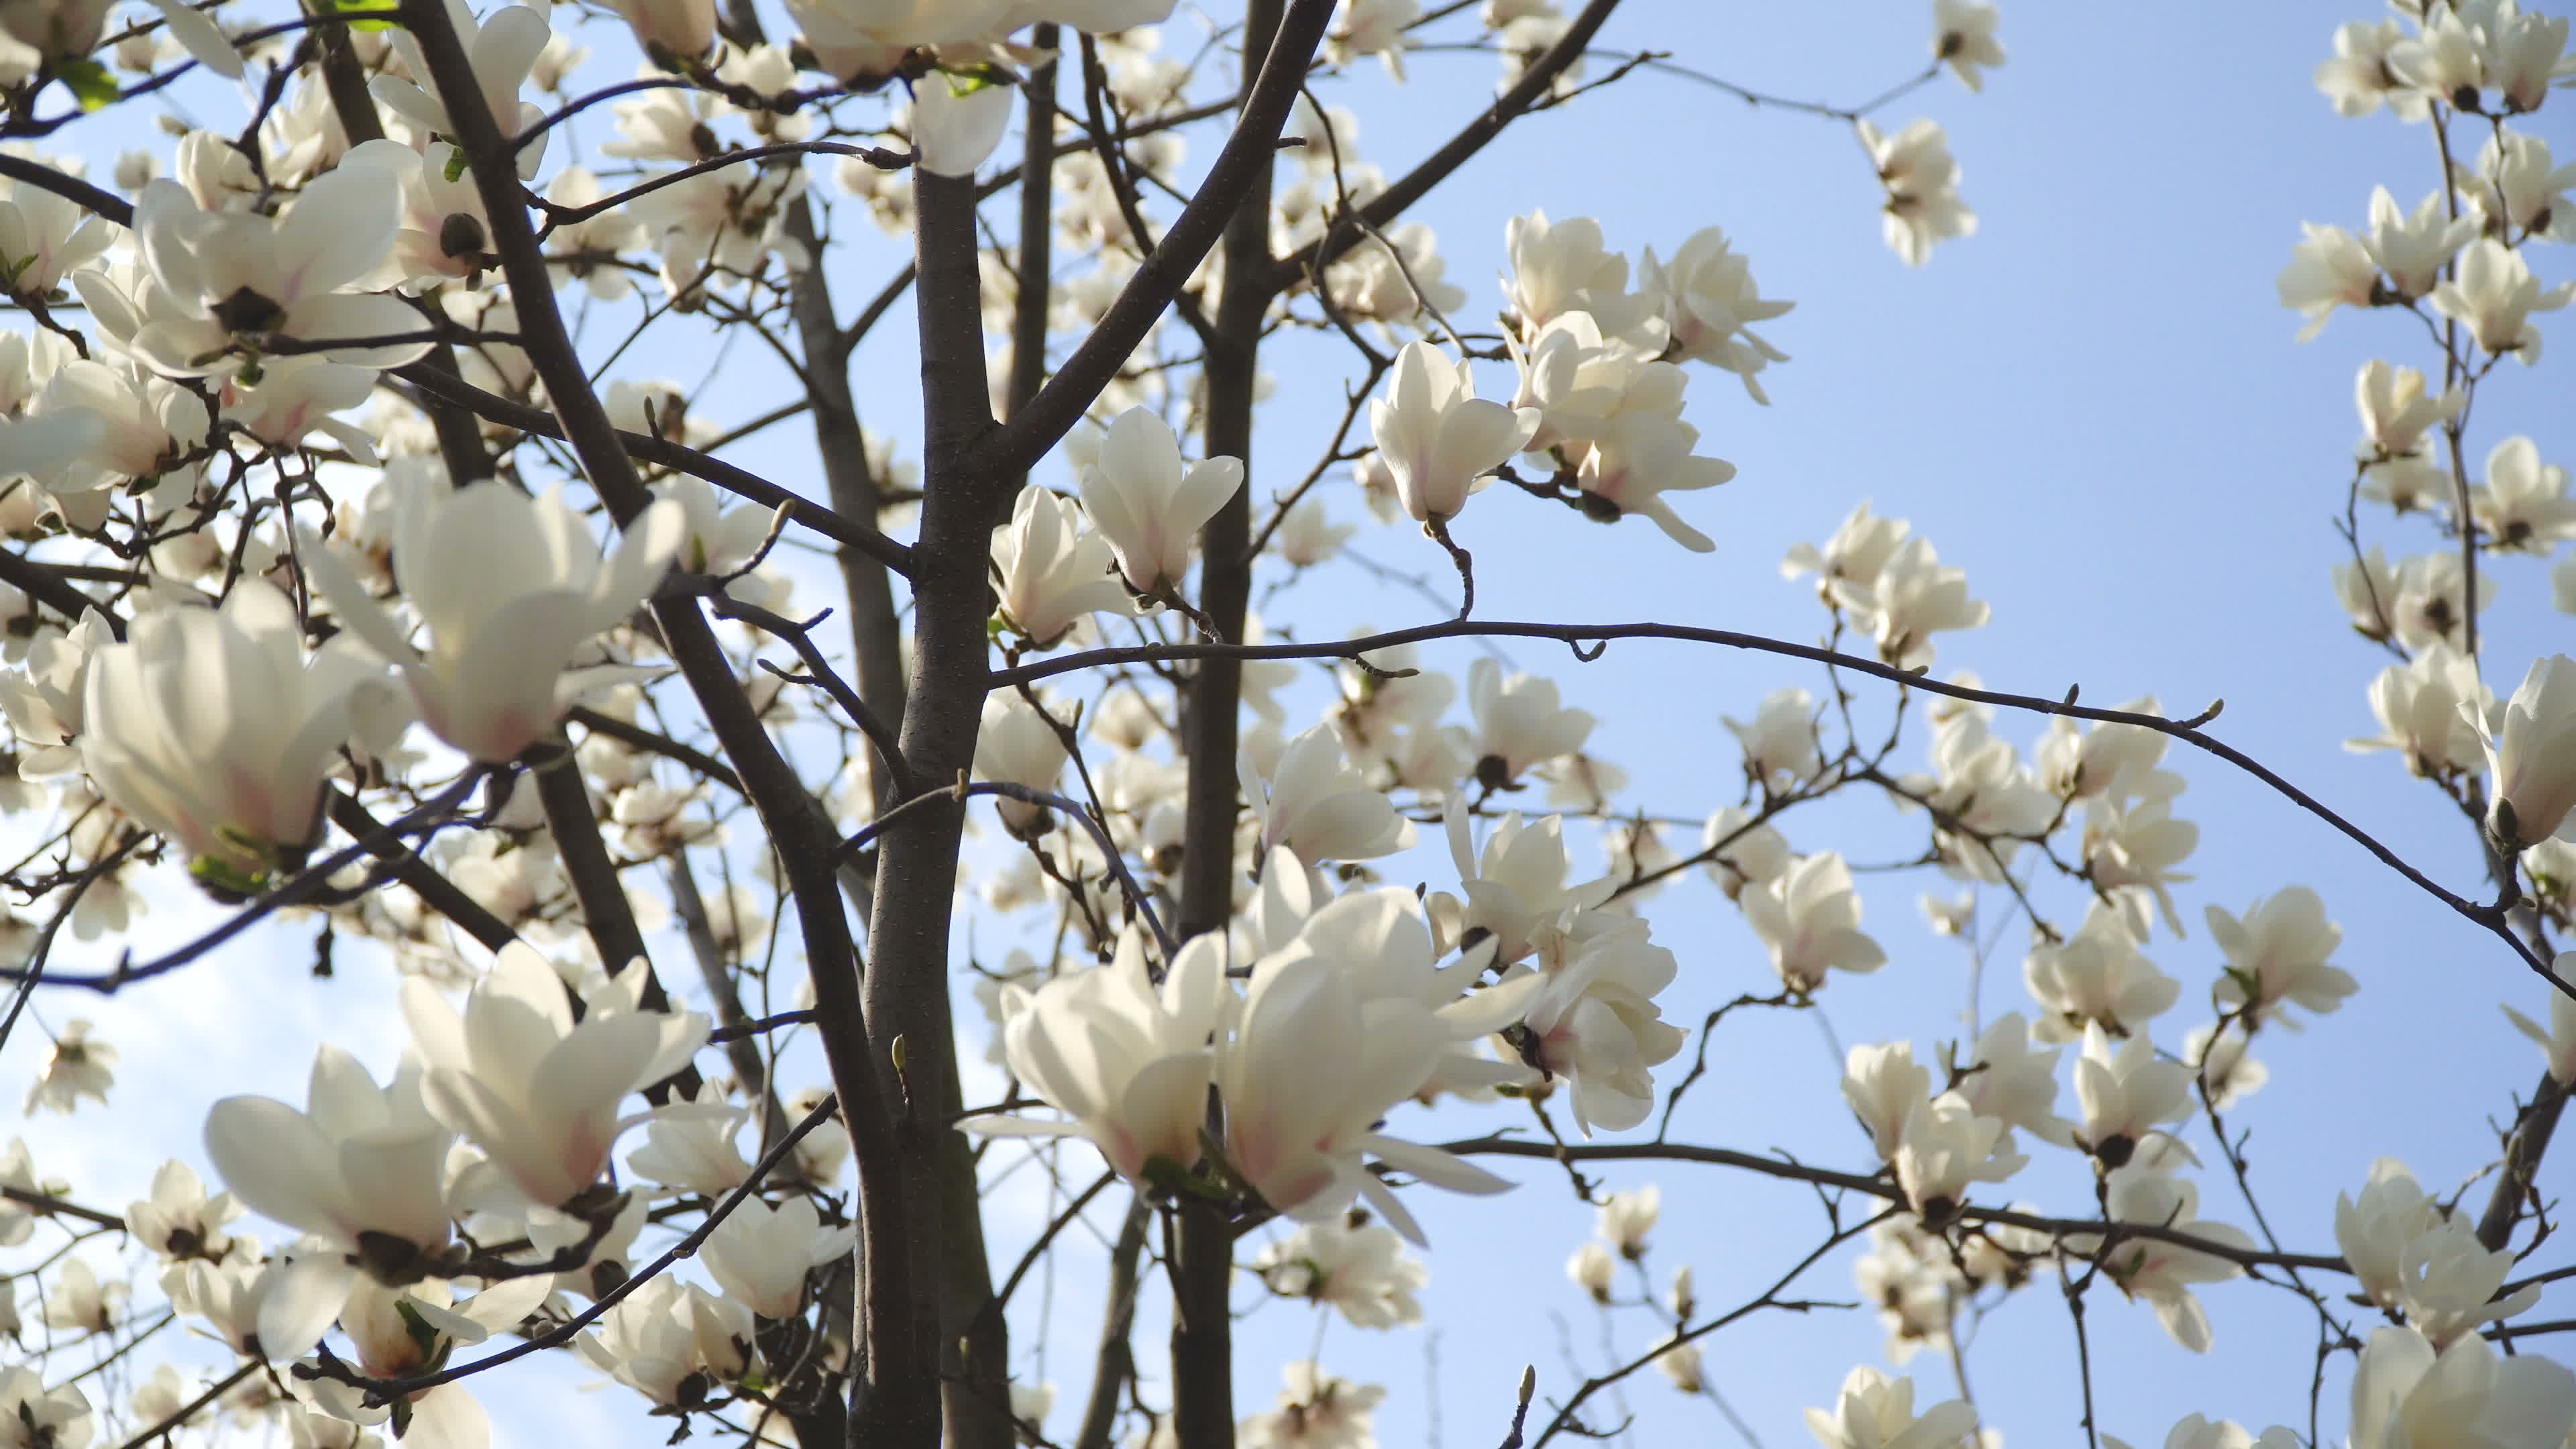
x=455, y=165
x=89, y=81
x=360, y=7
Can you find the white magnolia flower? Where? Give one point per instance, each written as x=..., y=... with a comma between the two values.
x=2330, y=269
x=957, y=120
x=1562, y=267
x=41, y=1418
x=76, y=1066
x=510, y=588
x=1127, y=1061
x=2357, y=78
x=1780, y=743
x=222, y=277
x=2531, y=754
x=1318, y=805
x=761, y=1254
x=2197, y=1432
x=1346, y=1021
x=179, y=1220
x=2127, y=1093
x=1147, y=505
x=1438, y=440
x=211, y=727
x=2523, y=504
x=1922, y=181
x=1874, y=1411
x=1593, y=1270
x=503, y=48
x=2395, y=413
x=1810, y=918
x=2412, y=250
x=1050, y=571
x=538, y=1092
x=1625, y=1218
x=1964, y=40
x=1636, y=458
x=1020, y=743
x=1884, y=1084
x=2163, y=1272
x=696, y=1153
x=362, y=1171
x=1316, y=1410
x=1595, y=1022
x=2407, y=1393
x=1519, y=723
x=1362, y=1270
x=672, y=1342
x=2007, y=1077
x=681, y=29
x=2495, y=295
x=1944, y=1147
x=1707, y=299
x=2428, y=708
x=2096, y=976
x=2276, y=956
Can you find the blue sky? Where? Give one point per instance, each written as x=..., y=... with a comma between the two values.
x=2097, y=407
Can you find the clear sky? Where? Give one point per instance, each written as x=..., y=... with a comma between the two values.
x=2097, y=407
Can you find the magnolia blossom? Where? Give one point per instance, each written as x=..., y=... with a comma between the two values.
x=1147, y=506
x=680, y=29
x=1317, y=805
x=2428, y=708
x=1884, y=1084
x=1436, y=437
x=2096, y=976
x=1341, y=1025
x=1362, y=1270
x=362, y=1170
x=179, y=1220
x=1639, y=456
x=2330, y=269
x=2495, y=295
x=1874, y=1411
x=2197, y=1432
x=1127, y=1061
x=1051, y=571
x=2163, y=1272
x=1964, y=40
x=225, y=276
x=2007, y=1077
x=1020, y=743
x=1707, y=301
x=1595, y=1021
x=2276, y=955
x=510, y=588
x=502, y=48
x=1515, y=888
x=956, y=121
x=1945, y=1146
x=42, y=1418
x=1562, y=267
x=2531, y=754
x=2358, y=78
x=2413, y=249
x=2523, y=504
x=209, y=726
x=1316, y=1410
x=2408, y=1393
x=1922, y=181
x=538, y=1092
x=1780, y=742
x=1519, y=723
x=2394, y=410
x=1810, y=918
x=2126, y=1093
x=672, y=1342
x=761, y=1253
x=1593, y=1270
x=76, y=1065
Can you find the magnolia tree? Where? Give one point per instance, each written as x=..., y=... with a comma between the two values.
x=799, y=968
